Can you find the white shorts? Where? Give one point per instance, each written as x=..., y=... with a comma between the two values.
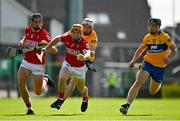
x=76, y=72
x=36, y=69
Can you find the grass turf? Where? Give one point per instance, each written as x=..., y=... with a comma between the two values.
x=99, y=109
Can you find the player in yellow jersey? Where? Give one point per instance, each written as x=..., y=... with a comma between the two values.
x=160, y=50
x=90, y=36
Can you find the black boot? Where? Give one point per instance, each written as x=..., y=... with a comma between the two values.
x=124, y=108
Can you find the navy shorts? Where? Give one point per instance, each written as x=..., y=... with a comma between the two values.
x=156, y=73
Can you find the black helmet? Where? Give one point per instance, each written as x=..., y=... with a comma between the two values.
x=36, y=16
x=156, y=21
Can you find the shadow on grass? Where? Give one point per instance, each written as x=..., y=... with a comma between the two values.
x=74, y=114
x=15, y=115
x=44, y=115
x=137, y=115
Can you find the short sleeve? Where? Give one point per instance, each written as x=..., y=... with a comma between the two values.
x=64, y=36
x=144, y=41
x=47, y=37
x=168, y=40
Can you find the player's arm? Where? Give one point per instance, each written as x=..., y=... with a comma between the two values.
x=93, y=46
x=51, y=44
x=52, y=50
x=172, y=53
x=21, y=42
x=137, y=55
x=85, y=56
x=93, y=49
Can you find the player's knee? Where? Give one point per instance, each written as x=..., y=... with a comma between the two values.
x=85, y=88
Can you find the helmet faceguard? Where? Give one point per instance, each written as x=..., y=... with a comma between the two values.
x=87, y=21
x=88, y=26
x=77, y=31
x=154, y=25
x=36, y=21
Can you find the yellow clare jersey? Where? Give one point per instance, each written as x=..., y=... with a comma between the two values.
x=92, y=40
x=157, y=48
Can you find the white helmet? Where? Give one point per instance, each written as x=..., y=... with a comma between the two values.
x=88, y=21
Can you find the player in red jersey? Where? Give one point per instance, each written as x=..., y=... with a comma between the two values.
x=89, y=34
x=74, y=66
x=34, y=61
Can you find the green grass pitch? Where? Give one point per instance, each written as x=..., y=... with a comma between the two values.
x=99, y=109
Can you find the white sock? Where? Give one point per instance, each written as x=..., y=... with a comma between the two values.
x=30, y=108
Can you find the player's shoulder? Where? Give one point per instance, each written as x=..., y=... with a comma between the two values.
x=93, y=33
x=164, y=34
x=28, y=29
x=44, y=31
x=66, y=34
x=148, y=35
x=84, y=43
x=83, y=40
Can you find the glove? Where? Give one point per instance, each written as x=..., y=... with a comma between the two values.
x=19, y=51
x=90, y=66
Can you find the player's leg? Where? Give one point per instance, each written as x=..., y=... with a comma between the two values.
x=70, y=88
x=63, y=76
x=154, y=87
x=39, y=84
x=80, y=84
x=50, y=81
x=141, y=77
x=79, y=76
x=39, y=81
x=23, y=77
x=156, y=79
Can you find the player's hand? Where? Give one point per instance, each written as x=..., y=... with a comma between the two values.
x=21, y=44
x=92, y=53
x=80, y=57
x=131, y=64
x=43, y=42
x=166, y=60
x=44, y=50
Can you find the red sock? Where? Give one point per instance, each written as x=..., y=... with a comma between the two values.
x=28, y=105
x=61, y=95
x=85, y=99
